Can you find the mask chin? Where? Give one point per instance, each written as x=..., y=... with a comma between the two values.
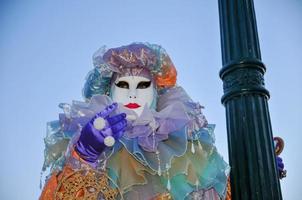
x=134, y=92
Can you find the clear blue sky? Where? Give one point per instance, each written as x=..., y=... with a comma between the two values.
x=45, y=54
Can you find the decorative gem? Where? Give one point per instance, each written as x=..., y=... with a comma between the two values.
x=109, y=141
x=169, y=185
x=192, y=147
x=199, y=145
x=158, y=159
x=168, y=176
x=99, y=123
x=153, y=126
x=197, y=184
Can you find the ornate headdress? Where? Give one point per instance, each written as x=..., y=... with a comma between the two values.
x=131, y=59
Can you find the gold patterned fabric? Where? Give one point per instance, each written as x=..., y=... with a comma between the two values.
x=85, y=185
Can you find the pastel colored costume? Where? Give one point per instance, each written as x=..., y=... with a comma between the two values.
x=167, y=152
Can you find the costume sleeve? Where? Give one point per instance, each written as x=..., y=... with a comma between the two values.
x=51, y=186
x=60, y=158
x=78, y=180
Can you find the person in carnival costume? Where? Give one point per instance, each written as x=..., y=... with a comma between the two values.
x=137, y=136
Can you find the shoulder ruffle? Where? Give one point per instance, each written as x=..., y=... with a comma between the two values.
x=138, y=178
x=137, y=168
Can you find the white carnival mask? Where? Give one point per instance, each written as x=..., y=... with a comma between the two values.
x=134, y=92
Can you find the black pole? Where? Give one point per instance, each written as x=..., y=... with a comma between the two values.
x=251, y=153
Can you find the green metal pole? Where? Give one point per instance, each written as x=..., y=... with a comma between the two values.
x=251, y=153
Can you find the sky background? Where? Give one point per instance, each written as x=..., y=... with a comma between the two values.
x=46, y=49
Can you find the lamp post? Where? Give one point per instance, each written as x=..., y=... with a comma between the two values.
x=251, y=153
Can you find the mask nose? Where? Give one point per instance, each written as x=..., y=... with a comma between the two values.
x=132, y=93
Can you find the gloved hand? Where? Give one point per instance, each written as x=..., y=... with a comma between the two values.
x=100, y=132
x=280, y=167
x=279, y=145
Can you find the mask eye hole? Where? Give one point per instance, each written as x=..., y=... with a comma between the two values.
x=122, y=84
x=143, y=84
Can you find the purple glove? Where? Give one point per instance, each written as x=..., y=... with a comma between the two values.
x=100, y=132
x=280, y=167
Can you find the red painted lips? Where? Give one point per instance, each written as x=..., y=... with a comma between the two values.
x=132, y=105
